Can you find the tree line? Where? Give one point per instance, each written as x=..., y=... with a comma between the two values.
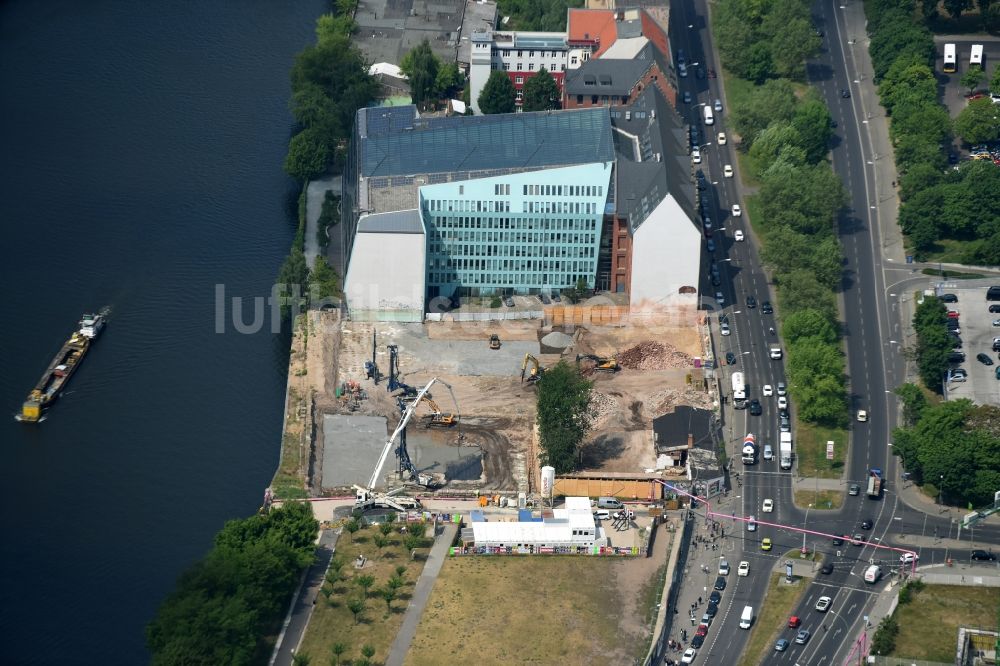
x=224, y=605
x=787, y=137
x=938, y=203
x=933, y=342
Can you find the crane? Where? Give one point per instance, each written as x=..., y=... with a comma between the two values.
x=367, y=497
x=437, y=417
x=394, y=383
x=536, y=369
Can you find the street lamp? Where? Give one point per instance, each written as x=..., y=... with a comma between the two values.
x=941, y=491
x=804, y=524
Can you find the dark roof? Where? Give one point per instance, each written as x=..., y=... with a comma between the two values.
x=613, y=76
x=395, y=142
x=673, y=429
x=395, y=222
x=653, y=162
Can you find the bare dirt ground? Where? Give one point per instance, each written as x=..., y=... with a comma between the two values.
x=496, y=410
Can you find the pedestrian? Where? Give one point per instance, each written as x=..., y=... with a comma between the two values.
x=699, y=600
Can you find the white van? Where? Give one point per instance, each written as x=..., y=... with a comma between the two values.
x=609, y=503
x=873, y=573
x=709, y=116
x=746, y=619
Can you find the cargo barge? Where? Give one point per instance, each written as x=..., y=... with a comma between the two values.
x=62, y=368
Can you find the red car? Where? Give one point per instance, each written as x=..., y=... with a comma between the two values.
x=794, y=622
x=952, y=314
x=702, y=630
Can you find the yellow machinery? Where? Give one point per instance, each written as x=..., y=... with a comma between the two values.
x=437, y=417
x=494, y=341
x=536, y=369
x=601, y=363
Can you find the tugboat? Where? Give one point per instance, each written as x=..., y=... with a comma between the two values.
x=62, y=367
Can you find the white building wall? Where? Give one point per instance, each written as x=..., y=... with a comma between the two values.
x=666, y=257
x=385, y=277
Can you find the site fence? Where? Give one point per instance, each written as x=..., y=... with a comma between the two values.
x=489, y=315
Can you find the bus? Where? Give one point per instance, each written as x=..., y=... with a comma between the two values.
x=739, y=391
x=949, y=58
x=977, y=55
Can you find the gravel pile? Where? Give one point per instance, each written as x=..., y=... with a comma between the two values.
x=651, y=355
x=557, y=339
x=601, y=407
x=665, y=400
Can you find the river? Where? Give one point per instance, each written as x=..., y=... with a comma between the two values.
x=141, y=146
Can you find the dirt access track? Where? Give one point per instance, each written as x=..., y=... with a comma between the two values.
x=496, y=410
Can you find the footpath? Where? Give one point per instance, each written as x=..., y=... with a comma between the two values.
x=421, y=592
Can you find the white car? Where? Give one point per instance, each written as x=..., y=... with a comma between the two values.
x=782, y=402
x=862, y=415
x=768, y=505
x=724, y=328
x=768, y=390
x=823, y=604
x=689, y=655
x=738, y=235
x=727, y=171
x=743, y=569
x=721, y=138
x=723, y=566
x=696, y=155
x=752, y=524
x=719, y=298
x=908, y=558
x=737, y=211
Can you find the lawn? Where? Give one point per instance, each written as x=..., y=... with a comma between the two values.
x=810, y=450
x=928, y=624
x=773, y=613
x=534, y=610
x=332, y=620
x=821, y=501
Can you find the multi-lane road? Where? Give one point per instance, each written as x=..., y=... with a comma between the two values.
x=875, y=365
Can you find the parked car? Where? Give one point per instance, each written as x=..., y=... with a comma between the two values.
x=723, y=566
x=949, y=298
x=714, y=598
x=711, y=609
x=697, y=641
x=782, y=402
x=995, y=308
x=983, y=556
x=688, y=656
x=984, y=359
x=702, y=630
x=724, y=328
x=730, y=358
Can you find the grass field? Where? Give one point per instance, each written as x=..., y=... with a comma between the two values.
x=772, y=614
x=810, y=450
x=928, y=624
x=532, y=610
x=333, y=622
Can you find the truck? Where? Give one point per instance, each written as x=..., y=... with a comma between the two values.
x=739, y=391
x=874, y=483
x=785, y=450
x=749, y=450
x=775, y=352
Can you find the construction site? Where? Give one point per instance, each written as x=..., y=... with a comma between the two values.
x=449, y=407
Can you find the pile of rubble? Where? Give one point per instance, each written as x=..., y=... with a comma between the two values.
x=650, y=355
x=665, y=400
x=601, y=407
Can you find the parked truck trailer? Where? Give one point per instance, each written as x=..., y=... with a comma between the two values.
x=785, y=450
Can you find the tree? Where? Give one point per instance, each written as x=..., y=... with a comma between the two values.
x=812, y=121
x=389, y=594
x=324, y=279
x=498, y=94
x=337, y=650
x=541, y=92
x=364, y=581
x=308, y=154
x=449, y=80
x=563, y=399
x=956, y=7
x=412, y=542
x=995, y=81
x=421, y=66
x=367, y=651
x=979, y=122
x=774, y=101
x=300, y=659
x=357, y=607
x=352, y=526
x=380, y=542
x=385, y=528
x=400, y=571
x=809, y=323
x=973, y=77
x=914, y=403
x=335, y=29
x=793, y=40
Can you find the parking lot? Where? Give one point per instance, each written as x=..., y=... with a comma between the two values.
x=953, y=94
x=977, y=331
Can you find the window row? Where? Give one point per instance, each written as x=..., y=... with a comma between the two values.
x=451, y=249
x=500, y=223
x=506, y=53
x=468, y=205
x=527, y=279
x=512, y=266
x=564, y=190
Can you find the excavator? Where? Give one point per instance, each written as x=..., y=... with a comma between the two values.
x=437, y=417
x=494, y=341
x=601, y=363
x=536, y=369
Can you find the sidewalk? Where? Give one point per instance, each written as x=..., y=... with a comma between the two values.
x=315, y=193
x=305, y=599
x=421, y=592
